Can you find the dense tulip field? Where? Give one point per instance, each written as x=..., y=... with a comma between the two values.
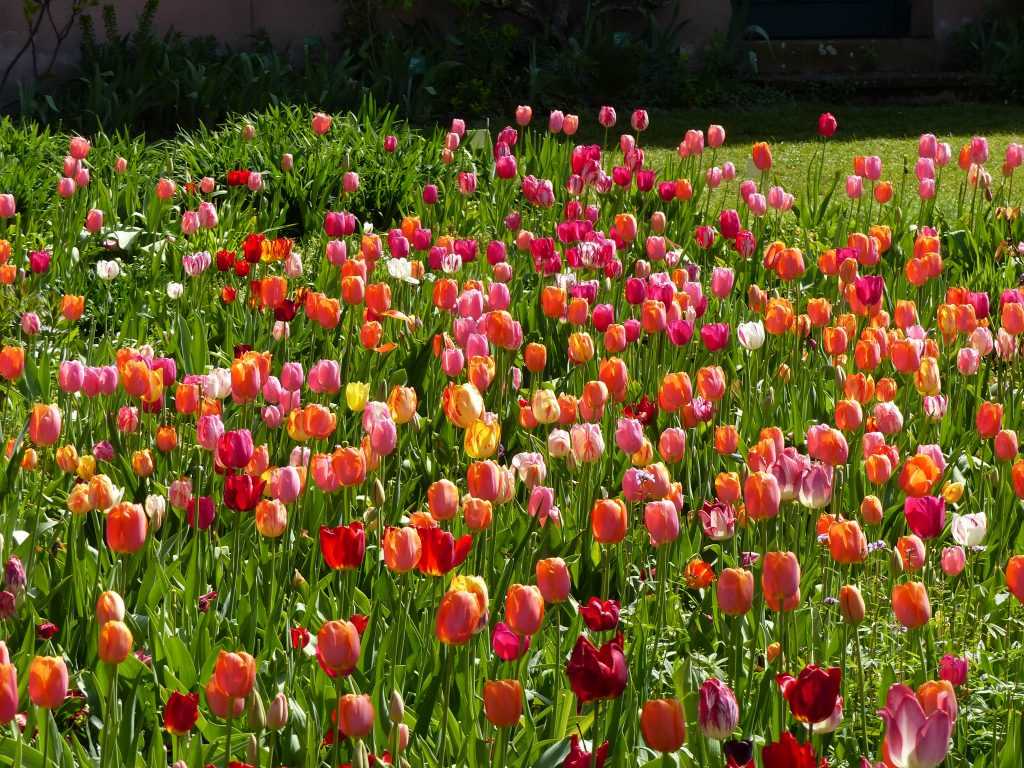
x=332, y=442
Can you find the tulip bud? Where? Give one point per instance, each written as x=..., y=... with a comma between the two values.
x=277, y=716
x=256, y=713
x=896, y=562
x=851, y=604
x=379, y=497
x=396, y=708
x=298, y=581
x=252, y=749
x=773, y=652
x=179, y=764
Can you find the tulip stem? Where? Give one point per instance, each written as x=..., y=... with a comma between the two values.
x=557, y=670
x=595, y=739
x=227, y=747
x=111, y=722
x=502, y=751
x=46, y=734
x=860, y=693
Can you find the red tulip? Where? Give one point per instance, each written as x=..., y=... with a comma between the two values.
x=600, y=615
x=787, y=752
x=181, y=713
x=578, y=758
x=441, y=551
x=812, y=696
x=343, y=547
x=242, y=492
x=597, y=673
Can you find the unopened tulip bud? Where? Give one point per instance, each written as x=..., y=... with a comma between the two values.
x=277, y=715
x=287, y=161
x=248, y=131
x=256, y=713
x=773, y=652
x=298, y=581
x=784, y=373
x=379, y=497
x=359, y=758
x=396, y=707
x=252, y=749
x=851, y=604
x=896, y=562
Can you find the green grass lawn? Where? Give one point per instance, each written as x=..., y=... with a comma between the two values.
x=889, y=131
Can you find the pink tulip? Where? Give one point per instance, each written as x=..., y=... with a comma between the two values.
x=321, y=123
x=555, y=121
x=927, y=146
x=639, y=120
x=943, y=154
x=606, y=117
x=873, y=167
x=79, y=147
x=953, y=669
x=207, y=215
x=7, y=206
x=854, y=186
x=524, y=114
x=926, y=189
x=722, y=281
x=979, y=150
x=120, y=165
x=94, y=220
x=662, y=522
x=953, y=561
x=350, y=182
x=716, y=136
x=66, y=187
x=913, y=739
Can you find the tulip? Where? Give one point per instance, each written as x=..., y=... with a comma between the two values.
x=813, y=695
x=524, y=609
x=718, y=713
x=355, y=715
x=47, y=681
x=910, y=604
x=8, y=692
x=780, y=581
x=914, y=738
x=851, y=604
x=115, y=642
x=597, y=673
x=458, y=617
x=663, y=725
x=553, y=580
x=503, y=702
x=127, y=526
x=344, y=546
x=338, y=647
x=953, y=669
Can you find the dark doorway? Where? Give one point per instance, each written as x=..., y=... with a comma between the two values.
x=822, y=19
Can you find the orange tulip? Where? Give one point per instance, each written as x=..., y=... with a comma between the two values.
x=735, y=591
x=402, y=549
x=503, y=702
x=851, y=604
x=109, y=607
x=675, y=391
x=127, y=526
x=338, y=647
x=235, y=673
x=609, y=521
x=12, y=362
x=663, y=725
x=458, y=617
x=355, y=715
x=919, y=475
x=989, y=419
x=780, y=581
x=778, y=317
x=47, y=681
x=847, y=542
x=1015, y=577
x=910, y=604
x=44, y=424
x=72, y=307
x=524, y=609
x=554, y=580
x=115, y=644
x=762, y=495
x=536, y=357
